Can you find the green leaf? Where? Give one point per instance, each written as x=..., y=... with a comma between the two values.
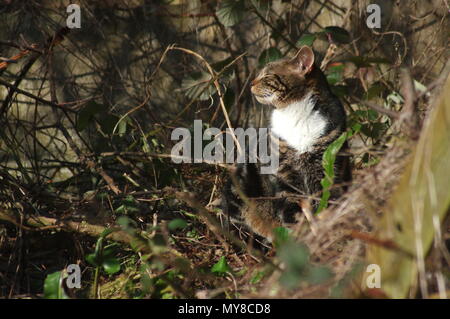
x=356, y=128
x=294, y=255
x=375, y=90
x=91, y=258
x=104, y=256
x=340, y=90
x=262, y=5
x=198, y=85
x=225, y=68
x=372, y=115
x=52, y=287
x=318, y=275
x=335, y=73
x=109, y=251
x=129, y=205
x=221, y=267
x=231, y=12
x=338, y=34
x=257, y=277
x=306, y=39
x=366, y=130
x=290, y=279
x=111, y=265
x=145, y=146
x=122, y=127
x=99, y=248
x=127, y=225
x=377, y=130
x=328, y=159
x=106, y=232
x=177, y=223
x=269, y=55
x=281, y=236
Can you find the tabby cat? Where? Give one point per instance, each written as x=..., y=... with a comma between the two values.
x=306, y=117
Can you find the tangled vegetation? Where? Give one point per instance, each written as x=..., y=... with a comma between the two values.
x=86, y=176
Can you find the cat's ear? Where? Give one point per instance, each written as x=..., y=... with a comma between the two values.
x=303, y=61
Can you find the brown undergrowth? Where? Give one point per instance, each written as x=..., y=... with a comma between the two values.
x=86, y=119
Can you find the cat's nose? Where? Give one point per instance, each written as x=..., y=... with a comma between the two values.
x=254, y=82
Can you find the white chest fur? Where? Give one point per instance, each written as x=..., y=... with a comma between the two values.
x=298, y=124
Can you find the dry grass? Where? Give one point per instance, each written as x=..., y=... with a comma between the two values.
x=62, y=184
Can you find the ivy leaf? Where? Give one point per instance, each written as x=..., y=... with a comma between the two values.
x=230, y=12
x=335, y=73
x=340, y=90
x=374, y=130
x=122, y=126
x=221, y=267
x=269, y=55
x=198, y=86
x=91, y=258
x=52, y=287
x=109, y=251
x=375, y=90
x=177, y=223
x=372, y=115
x=262, y=5
x=356, y=128
x=225, y=69
x=111, y=265
x=104, y=256
x=306, y=39
x=295, y=256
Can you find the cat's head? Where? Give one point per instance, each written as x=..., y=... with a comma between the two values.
x=282, y=82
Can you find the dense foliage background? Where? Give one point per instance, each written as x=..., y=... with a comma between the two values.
x=87, y=114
